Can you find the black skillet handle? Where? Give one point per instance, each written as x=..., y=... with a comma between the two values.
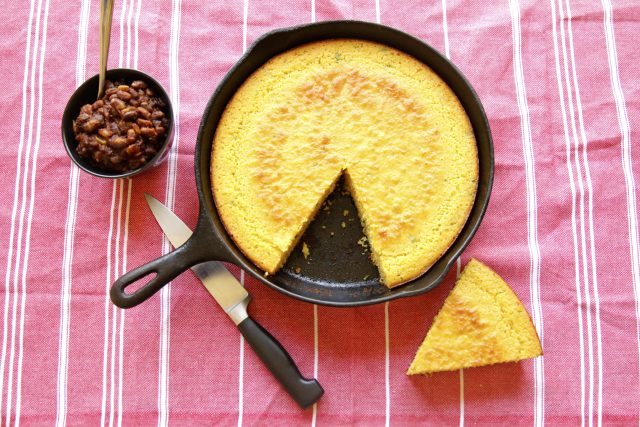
x=166, y=268
x=304, y=391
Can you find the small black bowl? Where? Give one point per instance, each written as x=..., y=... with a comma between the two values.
x=86, y=94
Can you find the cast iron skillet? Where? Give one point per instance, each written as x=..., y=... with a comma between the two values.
x=337, y=273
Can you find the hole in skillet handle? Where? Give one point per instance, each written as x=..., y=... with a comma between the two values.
x=139, y=283
x=166, y=268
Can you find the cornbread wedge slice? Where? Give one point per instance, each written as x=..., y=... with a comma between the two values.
x=482, y=322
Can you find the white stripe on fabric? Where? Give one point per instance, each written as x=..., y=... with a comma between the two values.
x=445, y=29
x=83, y=31
x=164, y=362
x=15, y=202
x=123, y=312
x=627, y=164
x=135, y=35
x=27, y=249
x=107, y=305
x=115, y=310
x=592, y=250
x=241, y=382
x=245, y=18
x=121, y=58
x=581, y=204
x=24, y=186
x=114, y=320
x=458, y=267
x=69, y=238
x=241, y=370
x=387, y=382
x=112, y=357
x=129, y=17
x=65, y=297
x=532, y=209
x=573, y=212
x=461, y=397
x=165, y=293
x=129, y=182
x=314, y=415
x=120, y=357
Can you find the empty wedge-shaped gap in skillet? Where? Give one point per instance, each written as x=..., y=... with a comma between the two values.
x=335, y=241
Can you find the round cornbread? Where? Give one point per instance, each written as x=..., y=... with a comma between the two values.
x=381, y=117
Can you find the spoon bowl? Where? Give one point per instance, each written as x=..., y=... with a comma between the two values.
x=86, y=94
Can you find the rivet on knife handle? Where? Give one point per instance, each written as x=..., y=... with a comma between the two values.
x=304, y=391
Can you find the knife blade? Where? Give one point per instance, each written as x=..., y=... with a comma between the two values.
x=234, y=299
x=220, y=283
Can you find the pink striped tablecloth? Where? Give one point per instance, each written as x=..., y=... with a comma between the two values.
x=560, y=81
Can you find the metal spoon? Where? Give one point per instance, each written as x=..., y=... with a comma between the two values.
x=106, y=14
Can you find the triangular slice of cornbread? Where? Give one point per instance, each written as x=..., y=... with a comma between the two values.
x=482, y=322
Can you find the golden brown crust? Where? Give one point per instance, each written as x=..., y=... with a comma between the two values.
x=482, y=322
x=321, y=109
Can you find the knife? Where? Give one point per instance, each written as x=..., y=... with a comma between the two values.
x=234, y=299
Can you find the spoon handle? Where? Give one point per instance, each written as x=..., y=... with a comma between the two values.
x=106, y=13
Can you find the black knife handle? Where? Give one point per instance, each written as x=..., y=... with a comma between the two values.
x=304, y=391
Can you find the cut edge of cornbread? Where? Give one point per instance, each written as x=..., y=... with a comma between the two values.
x=409, y=274
x=482, y=322
x=284, y=255
x=373, y=255
x=305, y=225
